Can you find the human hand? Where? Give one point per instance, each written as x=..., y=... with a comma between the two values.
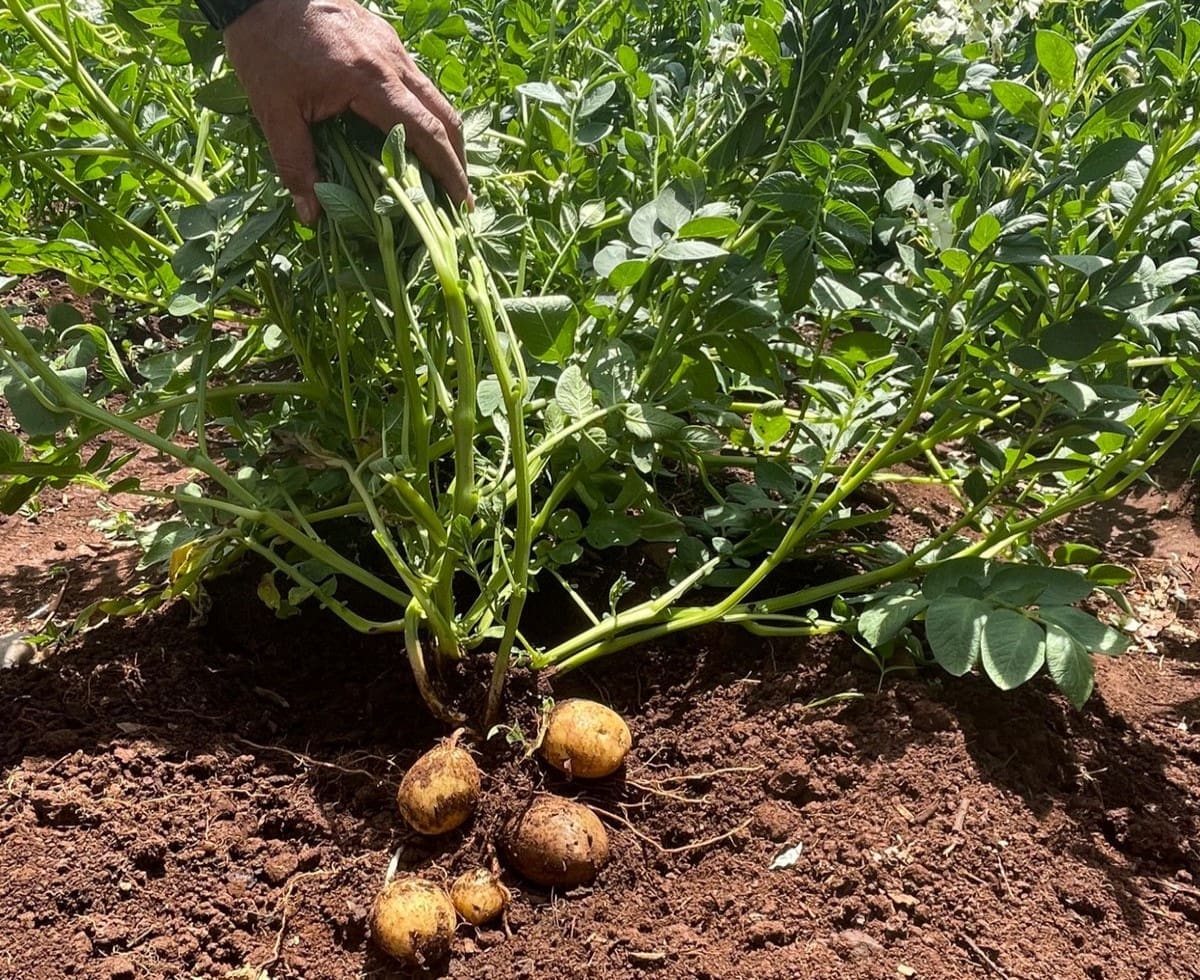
x=302, y=61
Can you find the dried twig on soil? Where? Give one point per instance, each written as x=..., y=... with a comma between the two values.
x=983, y=957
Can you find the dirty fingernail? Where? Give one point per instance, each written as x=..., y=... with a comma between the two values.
x=307, y=209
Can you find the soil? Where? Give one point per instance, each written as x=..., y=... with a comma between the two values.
x=217, y=799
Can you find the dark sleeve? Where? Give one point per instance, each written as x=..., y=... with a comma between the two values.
x=222, y=13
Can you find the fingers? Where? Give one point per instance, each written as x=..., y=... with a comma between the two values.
x=295, y=159
x=433, y=99
x=391, y=103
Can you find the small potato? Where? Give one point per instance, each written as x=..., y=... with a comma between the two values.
x=440, y=791
x=413, y=920
x=479, y=896
x=556, y=842
x=585, y=739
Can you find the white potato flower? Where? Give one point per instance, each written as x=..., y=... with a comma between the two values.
x=974, y=20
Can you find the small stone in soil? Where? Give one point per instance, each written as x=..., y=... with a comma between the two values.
x=769, y=931
x=119, y=968
x=855, y=944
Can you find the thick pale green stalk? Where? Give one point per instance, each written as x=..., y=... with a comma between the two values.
x=512, y=390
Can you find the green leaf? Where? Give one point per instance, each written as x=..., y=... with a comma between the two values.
x=671, y=209
x=545, y=324
x=573, y=394
x=395, y=153
x=769, y=428
x=1109, y=574
x=848, y=222
x=31, y=416
x=223, y=94
x=975, y=486
x=1086, y=629
x=986, y=231
x=762, y=38
x=609, y=257
x=1027, y=585
x=596, y=98
x=1018, y=100
x=1118, y=107
x=1013, y=648
x=107, y=354
x=690, y=251
x=650, y=423
x=948, y=577
x=1057, y=57
x=626, y=274
x=12, y=450
x=344, y=208
x=860, y=346
x=787, y=191
x=1116, y=32
x=883, y=620
x=542, y=92
x=63, y=316
x=954, y=626
x=489, y=397
x=1081, y=335
x=1074, y=553
x=711, y=226
x=611, y=530
x=1106, y=159
x=1070, y=666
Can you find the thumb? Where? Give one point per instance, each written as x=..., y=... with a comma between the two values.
x=291, y=145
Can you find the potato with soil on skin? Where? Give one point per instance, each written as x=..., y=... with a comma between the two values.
x=479, y=896
x=413, y=921
x=556, y=842
x=585, y=739
x=441, y=789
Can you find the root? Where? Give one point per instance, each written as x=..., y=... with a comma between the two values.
x=660, y=787
x=683, y=848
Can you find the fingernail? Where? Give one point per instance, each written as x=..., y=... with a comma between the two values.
x=308, y=210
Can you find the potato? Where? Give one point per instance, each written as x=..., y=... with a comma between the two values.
x=441, y=790
x=556, y=842
x=479, y=896
x=585, y=739
x=413, y=920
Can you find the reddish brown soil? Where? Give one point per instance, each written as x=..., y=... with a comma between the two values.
x=217, y=801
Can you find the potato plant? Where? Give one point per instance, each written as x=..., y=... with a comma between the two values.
x=736, y=269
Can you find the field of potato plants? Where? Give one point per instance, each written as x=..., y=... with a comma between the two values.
x=758, y=538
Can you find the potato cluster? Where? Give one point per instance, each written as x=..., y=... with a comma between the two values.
x=552, y=841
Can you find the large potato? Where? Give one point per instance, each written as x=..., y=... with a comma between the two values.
x=556, y=842
x=440, y=791
x=585, y=739
x=413, y=920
